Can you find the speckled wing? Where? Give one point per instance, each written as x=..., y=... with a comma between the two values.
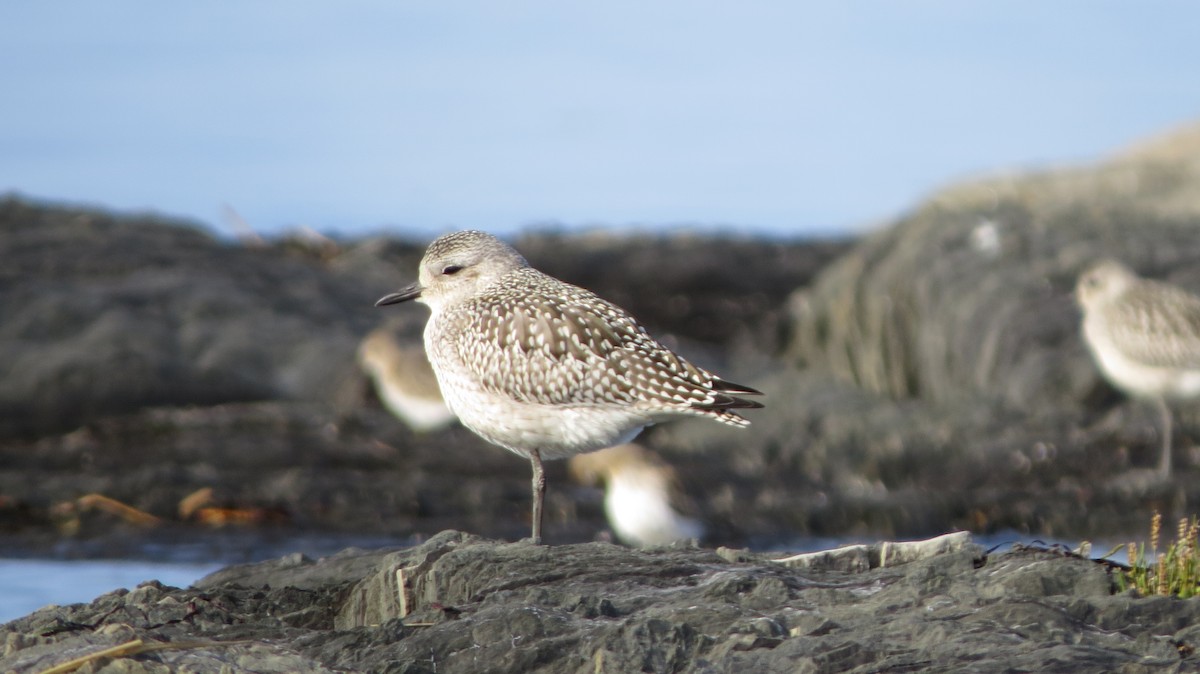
x=1157, y=325
x=547, y=342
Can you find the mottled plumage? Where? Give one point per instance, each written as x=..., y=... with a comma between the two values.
x=544, y=368
x=1145, y=336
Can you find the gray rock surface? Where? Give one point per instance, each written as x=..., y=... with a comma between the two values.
x=472, y=605
x=106, y=314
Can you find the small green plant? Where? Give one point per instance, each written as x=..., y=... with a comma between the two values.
x=1174, y=572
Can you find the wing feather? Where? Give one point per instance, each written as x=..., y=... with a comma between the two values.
x=1158, y=325
x=563, y=345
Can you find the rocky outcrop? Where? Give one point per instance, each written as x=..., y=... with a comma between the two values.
x=459, y=603
x=969, y=296
x=107, y=314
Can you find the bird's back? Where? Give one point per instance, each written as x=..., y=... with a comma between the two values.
x=534, y=339
x=1155, y=324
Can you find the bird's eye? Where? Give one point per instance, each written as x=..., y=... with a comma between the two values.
x=451, y=269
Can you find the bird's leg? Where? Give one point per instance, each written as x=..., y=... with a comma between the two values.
x=539, y=493
x=1164, y=463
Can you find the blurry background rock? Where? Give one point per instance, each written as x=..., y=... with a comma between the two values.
x=970, y=294
x=928, y=377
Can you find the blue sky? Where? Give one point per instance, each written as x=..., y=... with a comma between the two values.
x=784, y=118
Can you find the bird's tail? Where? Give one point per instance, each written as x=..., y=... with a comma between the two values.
x=722, y=404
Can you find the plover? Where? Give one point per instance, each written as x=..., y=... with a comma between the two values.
x=404, y=380
x=639, y=488
x=546, y=369
x=1145, y=336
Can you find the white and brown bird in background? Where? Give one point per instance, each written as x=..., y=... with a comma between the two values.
x=546, y=369
x=639, y=490
x=1145, y=336
x=404, y=380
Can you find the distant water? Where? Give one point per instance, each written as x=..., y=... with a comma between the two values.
x=29, y=584
x=75, y=571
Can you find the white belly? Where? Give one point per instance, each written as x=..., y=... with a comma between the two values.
x=556, y=431
x=641, y=514
x=420, y=413
x=1139, y=379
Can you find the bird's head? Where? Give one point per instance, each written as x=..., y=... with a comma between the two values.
x=1103, y=282
x=457, y=266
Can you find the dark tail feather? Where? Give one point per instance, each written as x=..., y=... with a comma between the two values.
x=730, y=387
x=721, y=401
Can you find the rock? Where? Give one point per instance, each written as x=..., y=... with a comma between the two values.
x=107, y=314
x=853, y=558
x=285, y=468
x=969, y=296
x=471, y=605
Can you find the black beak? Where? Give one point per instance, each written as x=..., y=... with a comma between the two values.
x=408, y=292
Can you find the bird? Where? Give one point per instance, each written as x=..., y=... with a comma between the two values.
x=404, y=380
x=639, y=490
x=546, y=369
x=1145, y=337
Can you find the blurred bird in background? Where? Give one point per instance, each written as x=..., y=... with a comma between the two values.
x=641, y=495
